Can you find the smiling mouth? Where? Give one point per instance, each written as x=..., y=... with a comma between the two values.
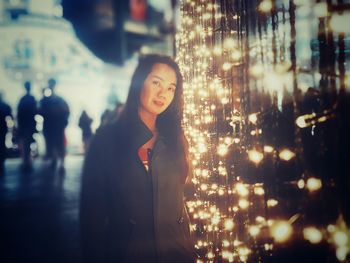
x=158, y=103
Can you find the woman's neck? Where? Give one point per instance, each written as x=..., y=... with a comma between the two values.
x=149, y=120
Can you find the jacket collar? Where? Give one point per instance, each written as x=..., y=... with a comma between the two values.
x=136, y=133
x=140, y=134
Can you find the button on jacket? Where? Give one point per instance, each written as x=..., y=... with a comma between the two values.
x=129, y=214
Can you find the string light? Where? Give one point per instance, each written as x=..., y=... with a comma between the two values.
x=266, y=6
x=286, y=155
x=229, y=145
x=281, y=231
x=313, y=184
x=312, y=234
x=255, y=156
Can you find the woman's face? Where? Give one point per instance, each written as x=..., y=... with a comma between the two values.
x=158, y=89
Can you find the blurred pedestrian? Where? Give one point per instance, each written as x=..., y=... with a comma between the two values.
x=106, y=117
x=110, y=116
x=5, y=113
x=26, y=111
x=55, y=112
x=85, y=126
x=132, y=203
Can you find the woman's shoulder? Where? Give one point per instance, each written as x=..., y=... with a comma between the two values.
x=111, y=132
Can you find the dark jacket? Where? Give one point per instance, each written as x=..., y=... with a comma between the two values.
x=55, y=112
x=26, y=111
x=128, y=214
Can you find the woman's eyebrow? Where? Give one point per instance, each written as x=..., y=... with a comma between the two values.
x=158, y=77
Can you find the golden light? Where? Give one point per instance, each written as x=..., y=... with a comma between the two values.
x=204, y=187
x=273, y=81
x=214, y=186
x=254, y=230
x=281, y=231
x=312, y=234
x=301, y=184
x=257, y=70
x=253, y=118
x=286, y=155
x=228, y=140
x=341, y=253
x=226, y=66
x=255, y=156
x=272, y=202
x=228, y=224
x=236, y=242
x=243, y=203
x=331, y=228
x=210, y=255
x=205, y=173
x=217, y=50
x=221, y=192
x=347, y=80
x=241, y=189
x=222, y=149
x=268, y=246
x=236, y=55
x=225, y=243
x=225, y=100
x=228, y=255
x=300, y=121
x=340, y=238
x=215, y=220
x=313, y=184
x=222, y=170
x=208, y=119
x=260, y=219
x=243, y=253
x=236, y=140
x=266, y=6
x=258, y=190
x=202, y=148
x=229, y=43
x=268, y=149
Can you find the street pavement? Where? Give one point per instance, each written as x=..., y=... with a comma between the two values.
x=39, y=212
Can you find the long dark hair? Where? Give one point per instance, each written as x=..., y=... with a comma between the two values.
x=168, y=122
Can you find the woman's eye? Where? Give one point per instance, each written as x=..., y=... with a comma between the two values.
x=171, y=89
x=156, y=82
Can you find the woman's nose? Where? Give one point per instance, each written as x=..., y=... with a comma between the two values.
x=161, y=92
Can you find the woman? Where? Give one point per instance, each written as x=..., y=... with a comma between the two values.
x=132, y=207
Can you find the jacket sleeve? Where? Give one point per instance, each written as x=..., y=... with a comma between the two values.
x=93, y=205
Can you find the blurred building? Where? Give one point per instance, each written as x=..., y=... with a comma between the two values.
x=90, y=48
x=115, y=29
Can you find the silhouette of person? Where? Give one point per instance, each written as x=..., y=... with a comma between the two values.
x=55, y=112
x=109, y=116
x=26, y=111
x=85, y=125
x=5, y=112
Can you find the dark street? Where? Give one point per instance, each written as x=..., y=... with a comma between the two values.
x=39, y=213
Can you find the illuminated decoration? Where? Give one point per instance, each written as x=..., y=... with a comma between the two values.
x=313, y=184
x=262, y=104
x=312, y=234
x=339, y=236
x=286, y=155
x=281, y=231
